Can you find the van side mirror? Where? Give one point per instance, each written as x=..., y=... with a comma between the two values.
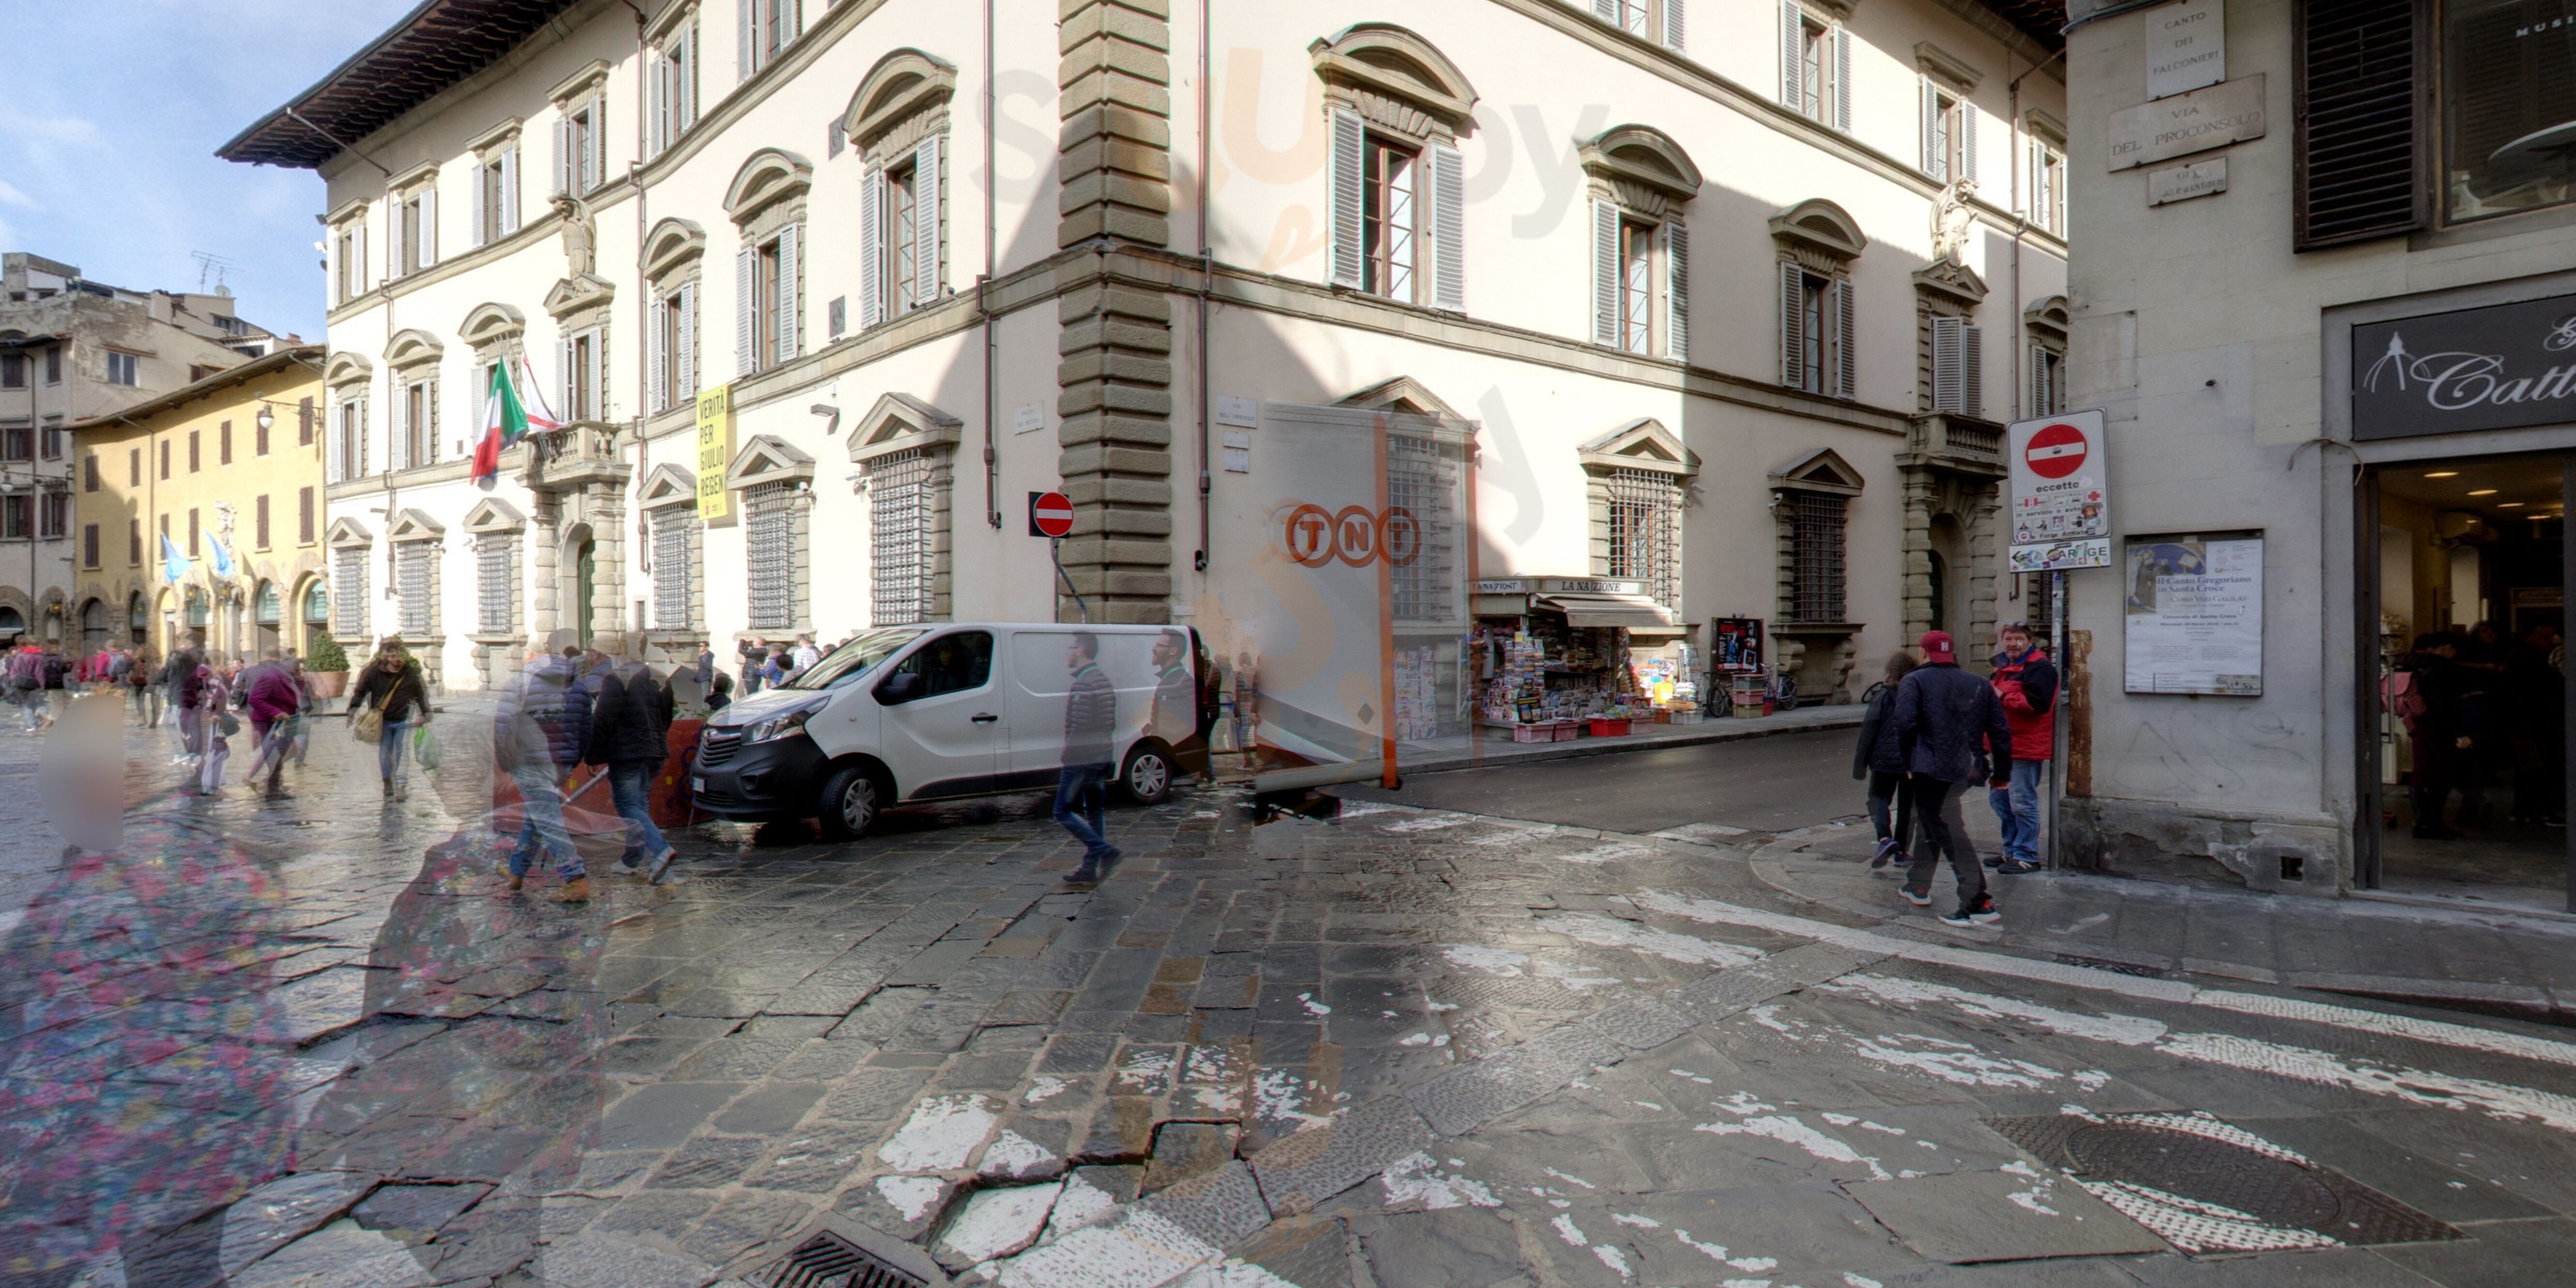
x=902, y=686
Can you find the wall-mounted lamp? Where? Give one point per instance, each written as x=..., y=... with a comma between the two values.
x=831, y=415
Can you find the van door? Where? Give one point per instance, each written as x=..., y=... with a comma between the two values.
x=1042, y=666
x=942, y=722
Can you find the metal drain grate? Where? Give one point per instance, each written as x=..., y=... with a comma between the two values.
x=829, y=1261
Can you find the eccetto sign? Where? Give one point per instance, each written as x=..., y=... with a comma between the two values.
x=2501, y=367
x=1355, y=535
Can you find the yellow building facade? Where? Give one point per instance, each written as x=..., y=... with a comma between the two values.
x=229, y=471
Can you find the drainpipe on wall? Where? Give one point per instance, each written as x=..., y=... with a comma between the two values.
x=635, y=180
x=1207, y=270
x=984, y=284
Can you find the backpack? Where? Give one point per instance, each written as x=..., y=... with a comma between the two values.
x=2401, y=697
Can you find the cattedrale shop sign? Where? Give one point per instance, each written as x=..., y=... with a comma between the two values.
x=2501, y=367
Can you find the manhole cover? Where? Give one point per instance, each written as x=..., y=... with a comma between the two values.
x=2205, y=1185
x=829, y=1261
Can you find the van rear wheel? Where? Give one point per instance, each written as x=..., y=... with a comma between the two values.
x=849, y=804
x=1148, y=774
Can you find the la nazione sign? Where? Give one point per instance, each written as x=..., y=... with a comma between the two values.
x=2188, y=123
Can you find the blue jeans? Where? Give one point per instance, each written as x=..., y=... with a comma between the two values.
x=630, y=785
x=1082, y=806
x=393, y=752
x=541, y=820
x=2017, y=808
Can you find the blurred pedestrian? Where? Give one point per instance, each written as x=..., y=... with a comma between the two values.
x=630, y=728
x=395, y=688
x=272, y=696
x=755, y=655
x=1880, y=759
x=27, y=683
x=216, y=724
x=139, y=687
x=805, y=655
x=1955, y=724
x=539, y=732
x=1090, y=725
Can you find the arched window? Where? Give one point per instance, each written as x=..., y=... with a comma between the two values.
x=1641, y=180
x=1397, y=106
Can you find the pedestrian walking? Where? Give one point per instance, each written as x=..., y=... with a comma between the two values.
x=273, y=697
x=27, y=684
x=755, y=655
x=216, y=724
x=776, y=670
x=805, y=655
x=1880, y=760
x=2026, y=683
x=539, y=732
x=1955, y=725
x=139, y=688
x=394, y=688
x=1090, y=722
x=308, y=705
x=178, y=680
x=60, y=687
x=630, y=728
x=1174, y=715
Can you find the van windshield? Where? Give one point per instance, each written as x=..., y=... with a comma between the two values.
x=856, y=658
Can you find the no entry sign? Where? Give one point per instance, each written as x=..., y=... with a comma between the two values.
x=1050, y=514
x=2061, y=513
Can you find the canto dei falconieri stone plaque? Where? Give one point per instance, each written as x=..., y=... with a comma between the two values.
x=2500, y=367
x=2188, y=123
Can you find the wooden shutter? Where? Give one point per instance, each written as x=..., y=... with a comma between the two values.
x=655, y=359
x=1793, y=330
x=1972, y=369
x=872, y=248
x=429, y=441
x=428, y=227
x=1843, y=315
x=1605, y=273
x=2038, y=394
x=745, y=361
x=685, y=338
x=2359, y=82
x=1936, y=159
x=1349, y=156
x=364, y=432
x=597, y=363
x=657, y=106
x=1677, y=291
x=474, y=208
x=563, y=153
x=688, y=88
x=1793, y=56
x=510, y=190
x=304, y=516
x=1968, y=140
x=1448, y=229
x=925, y=221
x=597, y=162
x=1606, y=10
x=791, y=295
x=1842, y=80
x=400, y=425
x=1673, y=24
x=748, y=65
x=1948, y=366
x=563, y=378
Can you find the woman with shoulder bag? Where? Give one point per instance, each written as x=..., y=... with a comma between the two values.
x=391, y=696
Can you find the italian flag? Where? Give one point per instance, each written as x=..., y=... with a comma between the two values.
x=507, y=419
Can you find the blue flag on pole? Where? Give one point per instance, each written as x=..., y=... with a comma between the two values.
x=174, y=565
x=223, y=561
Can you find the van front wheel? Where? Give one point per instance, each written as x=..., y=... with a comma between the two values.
x=1148, y=775
x=849, y=804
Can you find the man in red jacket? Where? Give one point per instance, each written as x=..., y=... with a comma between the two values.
x=2027, y=684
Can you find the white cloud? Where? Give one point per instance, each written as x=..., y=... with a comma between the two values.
x=10, y=196
x=51, y=129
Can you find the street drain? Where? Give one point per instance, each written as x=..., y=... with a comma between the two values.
x=2205, y=1185
x=829, y=1261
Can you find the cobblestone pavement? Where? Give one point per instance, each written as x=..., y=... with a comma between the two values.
x=311, y=1043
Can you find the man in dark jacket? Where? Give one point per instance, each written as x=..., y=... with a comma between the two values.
x=539, y=732
x=2027, y=686
x=1090, y=725
x=630, y=727
x=1956, y=726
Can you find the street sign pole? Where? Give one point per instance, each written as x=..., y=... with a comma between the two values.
x=1056, y=551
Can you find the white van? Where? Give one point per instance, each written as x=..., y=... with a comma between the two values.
x=943, y=710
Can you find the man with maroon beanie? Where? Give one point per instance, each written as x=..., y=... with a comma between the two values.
x=2027, y=686
x=1955, y=725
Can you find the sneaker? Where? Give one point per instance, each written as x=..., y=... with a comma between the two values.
x=1085, y=877
x=630, y=862
x=576, y=890
x=1886, y=850
x=1919, y=898
x=1981, y=913
x=662, y=865
x=2015, y=868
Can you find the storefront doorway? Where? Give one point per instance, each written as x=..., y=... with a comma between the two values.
x=2461, y=652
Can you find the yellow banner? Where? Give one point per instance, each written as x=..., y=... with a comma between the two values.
x=715, y=455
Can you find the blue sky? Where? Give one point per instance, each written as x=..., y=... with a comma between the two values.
x=109, y=125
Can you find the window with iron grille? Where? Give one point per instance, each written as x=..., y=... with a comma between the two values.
x=1646, y=532
x=1816, y=556
x=412, y=589
x=671, y=567
x=899, y=538
x=496, y=569
x=349, y=594
x=767, y=527
x=1422, y=479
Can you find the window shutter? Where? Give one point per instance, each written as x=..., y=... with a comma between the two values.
x=1793, y=34
x=872, y=249
x=925, y=221
x=597, y=162
x=563, y=378
x=429, y=441
x=400, y=424
x=597, y=362
x=689, y=81
x=428, y=227
x=1606, y=10
x=1945, y=364
x=749, y=64
x=1935, y=156
x=1793, y=331
x=791, y=295
x=1348, y=158
x=655, y=359
x=474, y=208
x=509, y=190
x=563, y=154
x=657, y=106
x=2358, y=90
x=1968, y=140
x=795, y=11
x=1842, y=80
x=364, y=433
x=1673, y=24
x=358, y=256
x=1972, y=369
x=1605, y=273
x=685, y=377
x=1677, y=291
x=1844, y=311
x=1448, y=229
x=745, y=361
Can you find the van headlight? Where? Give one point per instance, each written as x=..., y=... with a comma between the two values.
x=777, y=727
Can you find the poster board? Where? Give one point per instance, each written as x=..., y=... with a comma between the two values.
x=2195, y=614
x=1736, y=645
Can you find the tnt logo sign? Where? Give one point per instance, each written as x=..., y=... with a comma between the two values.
x=1355, y=535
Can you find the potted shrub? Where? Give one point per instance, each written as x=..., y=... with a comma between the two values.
x=328, y=667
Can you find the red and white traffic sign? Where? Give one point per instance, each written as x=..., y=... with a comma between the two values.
x=2057, y=450
x=1051, y=513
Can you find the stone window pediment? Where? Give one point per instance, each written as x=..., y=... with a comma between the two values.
x=1385, y=72
x=345, y=368
x=1942, y=65
x=575, y=295
x=586, y=81
x=902, y=86
x=412, y=347
x=1642, y=167
x=1640, y=445
x=901, y=422
x=494, y=139
x=2046, y=321
x=669, y=484
x=415, y=525
x=491, y=324
x=347, y=532
x=674, y=244
x=353, y=208
x=768, y=458
x=1404, y=395
x=1820, y=229
x=669, y=20
x=767, y=177
x=1823, y=470
x=493, y=515
x=1949, y=282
